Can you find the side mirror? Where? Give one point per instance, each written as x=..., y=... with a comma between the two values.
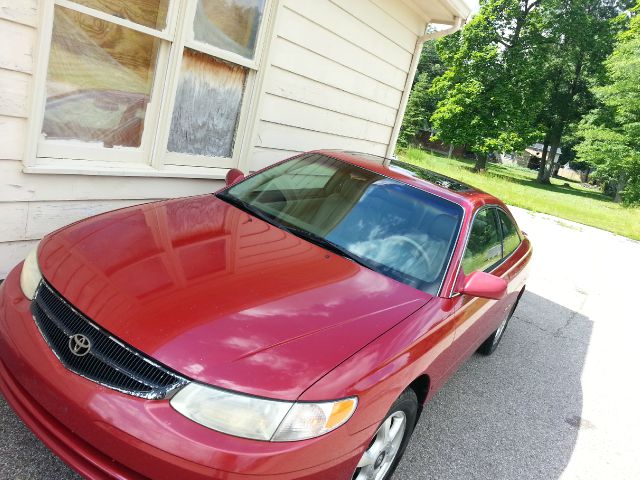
x=484, y=285
x=233, y=176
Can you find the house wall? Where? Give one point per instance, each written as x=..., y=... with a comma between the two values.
x=336, y=73
x=33, y=204
x=334, y=78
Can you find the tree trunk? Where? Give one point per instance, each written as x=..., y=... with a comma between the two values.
x=556, y=170
x=546, y=173
x=450, y=151
x=481, y=163
x=622, y=183
x=543, y=159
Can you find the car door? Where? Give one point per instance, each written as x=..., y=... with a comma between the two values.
x=515, y=250
x=476, y=318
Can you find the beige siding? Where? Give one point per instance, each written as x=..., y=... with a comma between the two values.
x=16, y=47
x=21, y=11
x=14, y=93
x=336, y=74
x=12, y=137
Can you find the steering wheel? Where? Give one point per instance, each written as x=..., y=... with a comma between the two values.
x=416, y=246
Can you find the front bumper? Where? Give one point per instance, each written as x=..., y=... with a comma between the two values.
x=104, y=434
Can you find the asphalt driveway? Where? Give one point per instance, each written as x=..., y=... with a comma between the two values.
x=558, y=400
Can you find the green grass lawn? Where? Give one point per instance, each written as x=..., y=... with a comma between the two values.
x=516, y=186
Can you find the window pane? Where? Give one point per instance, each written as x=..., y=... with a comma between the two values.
x=98, y=82
x=207, y=106
x=150, y=13
x=229, y=24
x=484, y=247
x=510, y=234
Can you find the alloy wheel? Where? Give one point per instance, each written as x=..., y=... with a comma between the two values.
x=383, y=450
x=500, y=331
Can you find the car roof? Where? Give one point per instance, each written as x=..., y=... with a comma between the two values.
x=419, y=177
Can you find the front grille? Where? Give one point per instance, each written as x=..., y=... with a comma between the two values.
x=109, y=361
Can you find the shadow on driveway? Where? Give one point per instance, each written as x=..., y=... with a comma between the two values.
x=513, y=415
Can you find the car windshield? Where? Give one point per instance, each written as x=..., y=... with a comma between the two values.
x=388, y=226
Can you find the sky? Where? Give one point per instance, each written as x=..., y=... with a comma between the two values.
x=475, y=5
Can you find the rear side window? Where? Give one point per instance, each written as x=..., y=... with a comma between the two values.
x=484, y=248
x=511, y=238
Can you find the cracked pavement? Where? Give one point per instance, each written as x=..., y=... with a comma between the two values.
x=557, y=400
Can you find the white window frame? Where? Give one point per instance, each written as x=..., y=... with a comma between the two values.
x=152, y=158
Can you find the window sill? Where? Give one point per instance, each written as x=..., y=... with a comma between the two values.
x=117, y=169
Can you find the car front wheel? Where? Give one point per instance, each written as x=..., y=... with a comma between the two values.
x=490, y=344
x=383, y=454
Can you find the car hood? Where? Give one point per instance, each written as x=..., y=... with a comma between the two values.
x=220, y=296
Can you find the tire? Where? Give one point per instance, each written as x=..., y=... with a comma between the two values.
x=384, y=452
x=491, y=343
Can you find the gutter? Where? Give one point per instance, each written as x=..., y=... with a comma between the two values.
x=457, y=25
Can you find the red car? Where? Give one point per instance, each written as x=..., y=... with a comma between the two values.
x=291, y=326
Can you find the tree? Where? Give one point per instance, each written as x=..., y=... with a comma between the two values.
x=421, y=103
x=582, y=36
x=489, y=93
x=611, y=133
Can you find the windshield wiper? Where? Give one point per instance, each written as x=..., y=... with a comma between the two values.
x=247, y=207
x=327, y=244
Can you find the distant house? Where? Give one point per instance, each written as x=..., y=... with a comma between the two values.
x=108, y=104
x=524, y=158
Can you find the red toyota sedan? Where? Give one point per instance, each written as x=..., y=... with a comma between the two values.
x=290, y=326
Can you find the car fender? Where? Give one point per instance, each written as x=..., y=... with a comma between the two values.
x=378, y=373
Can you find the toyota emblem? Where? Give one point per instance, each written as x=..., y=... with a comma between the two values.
x=79, y=344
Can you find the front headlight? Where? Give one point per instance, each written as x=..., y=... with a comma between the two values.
x=30, y=276
x=259, y=418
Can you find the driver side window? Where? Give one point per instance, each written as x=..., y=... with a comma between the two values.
x=484, y=248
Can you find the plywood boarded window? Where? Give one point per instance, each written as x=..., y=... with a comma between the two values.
x=99, y=81
x=150, y=13
x=207, y=106
x=229, y=24
x=126, y=80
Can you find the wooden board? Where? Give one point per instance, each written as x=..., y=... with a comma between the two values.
x=289, y=112
x=16, y=186
x=12, y=253
x=378, y=19
x=13, y=133
x=272, y=135
x=14, y=93
x=355, y=30
x=20, y=11
x=306, y=90
x=13, y=221
x=16, y=47
x=150, y=13
x=45, y=217
x=407, y=16
x=207, y=107
x=294, y=58
x=318, y=39
x=261, y=157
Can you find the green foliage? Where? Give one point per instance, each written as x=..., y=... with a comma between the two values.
x=520, y=71
x=611, y=133
x=517, y=186
x=421, y=103
x=489, y=94
x=583, y=36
